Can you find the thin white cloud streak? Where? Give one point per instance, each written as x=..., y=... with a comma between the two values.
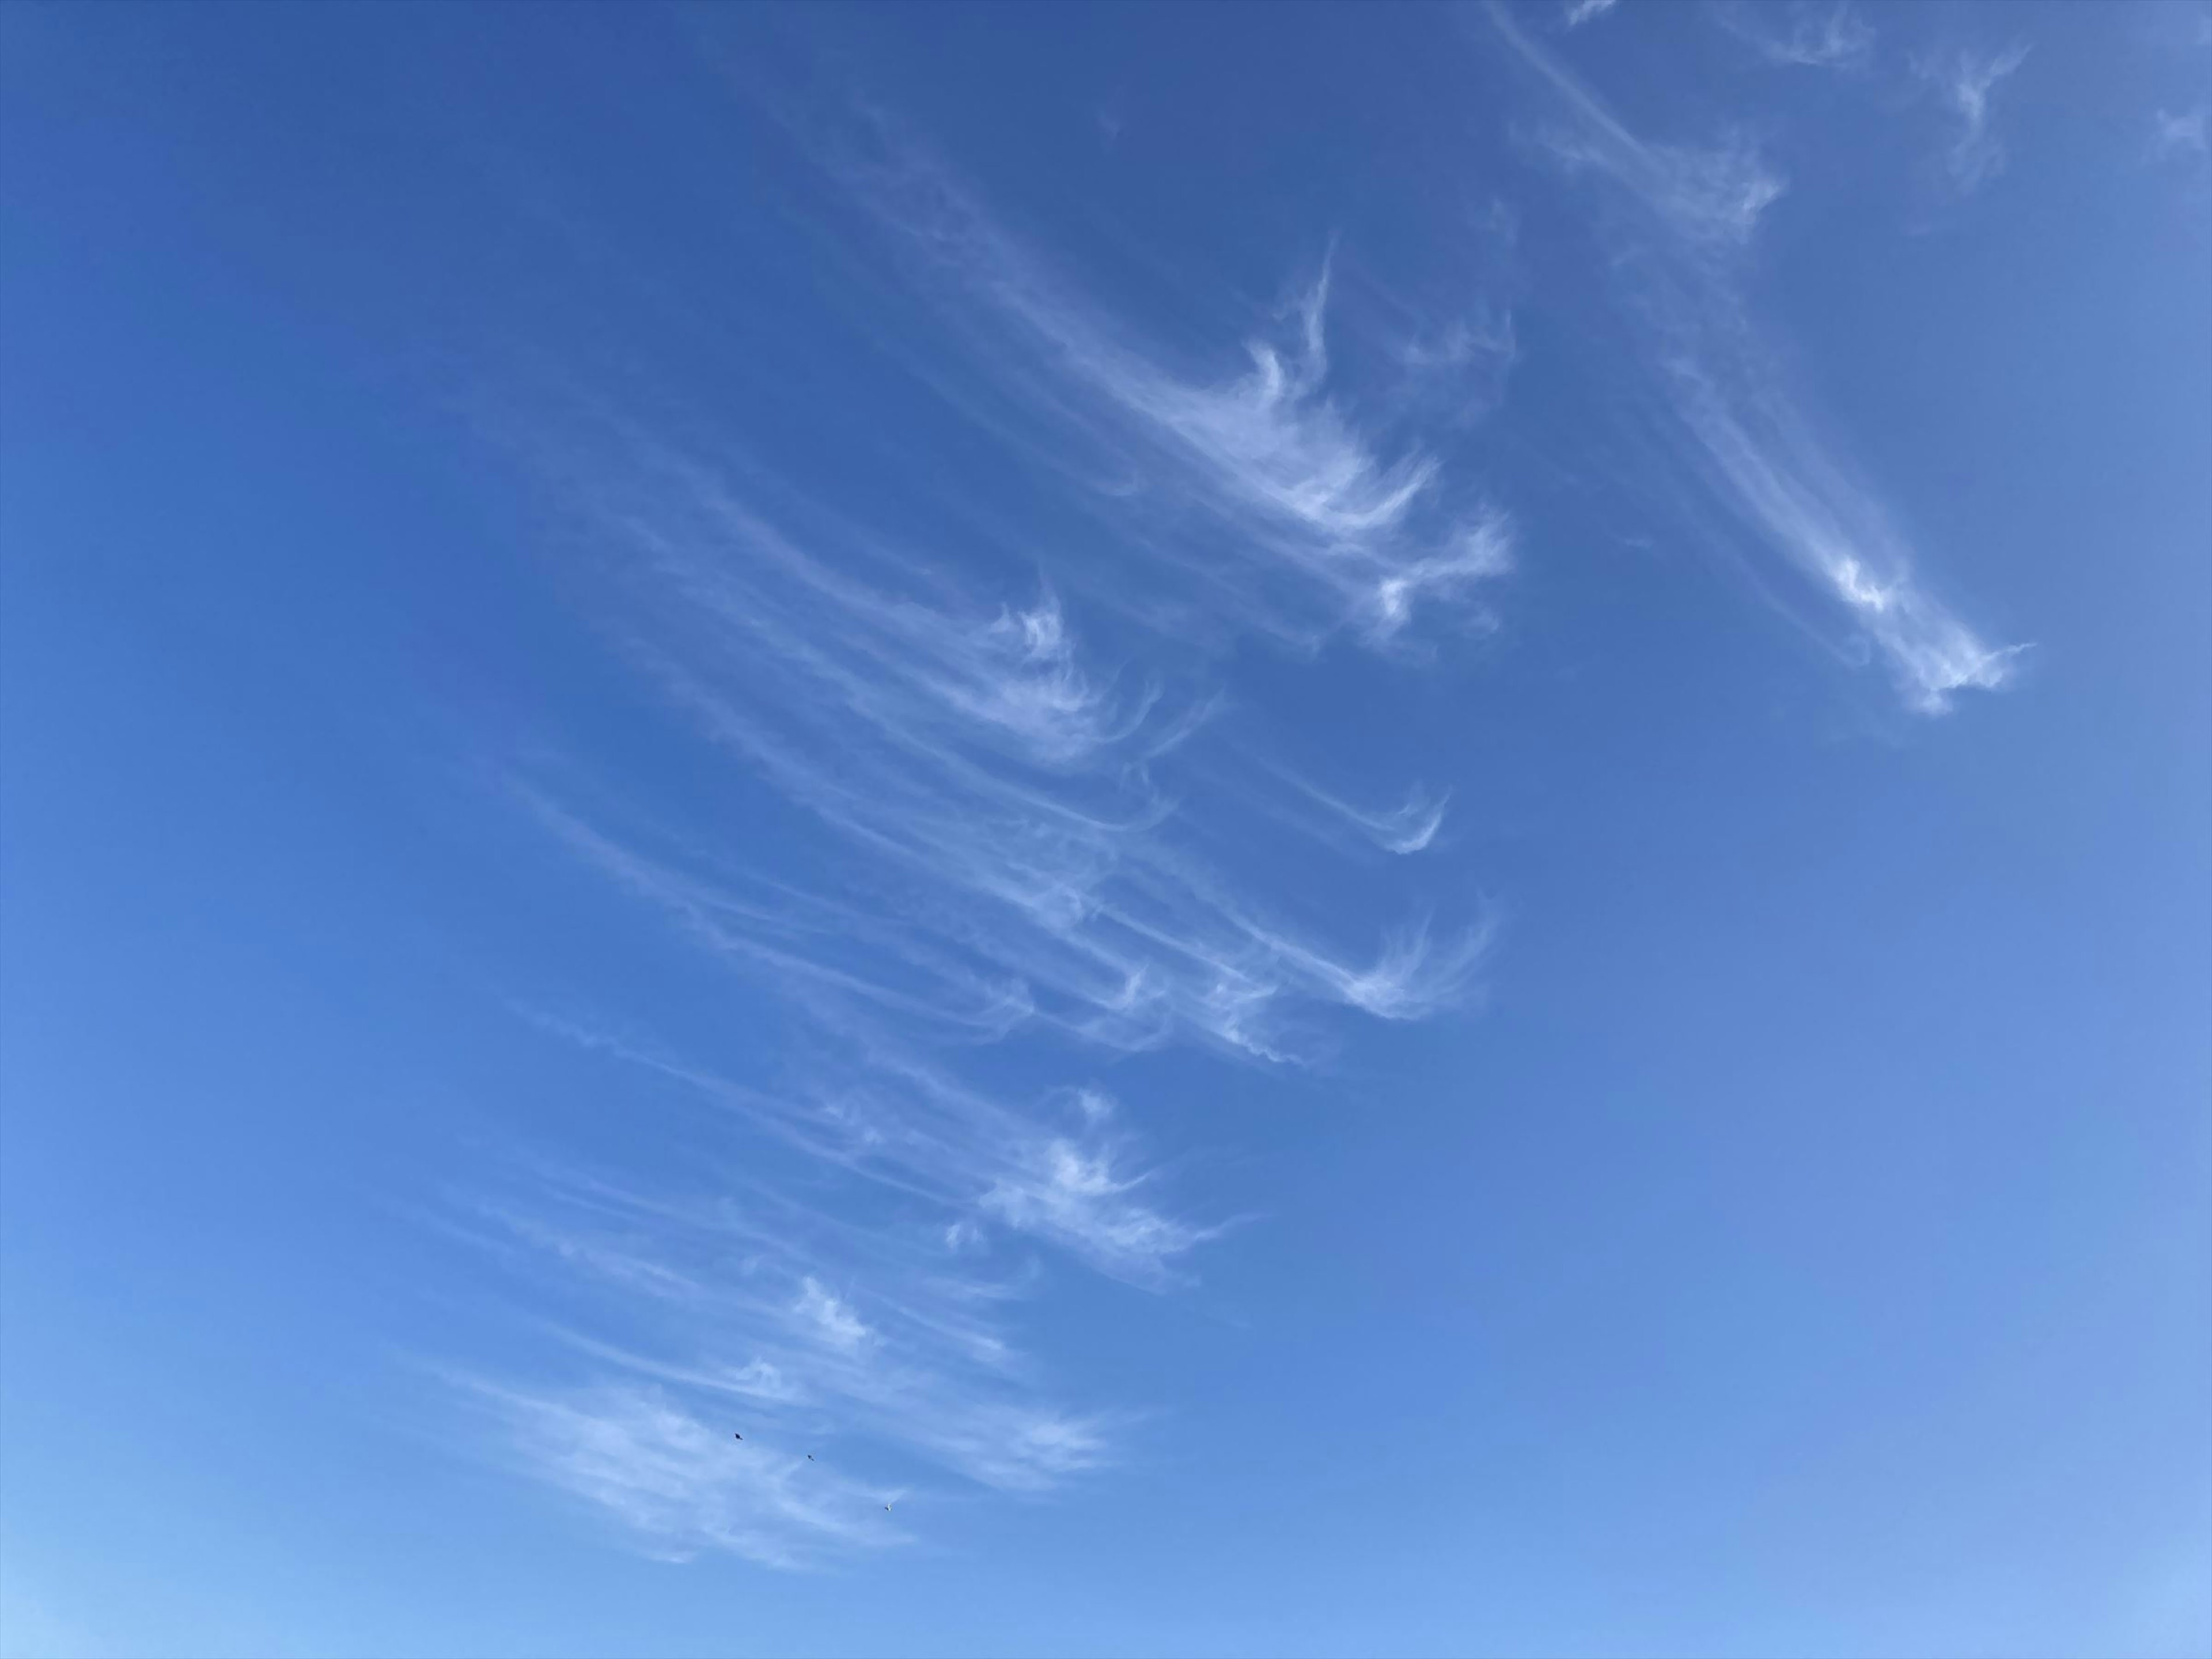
x=813, y=947
x=1326, y=530
x=1816, y=36
x=1337, y=820
x=1410, y=828
x=1966, y=80
x=998, y=678
x=1691, y=213
x=1579, y=12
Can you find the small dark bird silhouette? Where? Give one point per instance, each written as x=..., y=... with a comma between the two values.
x=810, y=1457
x=737, y=1437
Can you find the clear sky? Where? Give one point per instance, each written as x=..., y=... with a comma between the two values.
x=1353, y=829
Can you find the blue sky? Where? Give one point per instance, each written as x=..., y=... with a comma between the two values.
x=1364, y=829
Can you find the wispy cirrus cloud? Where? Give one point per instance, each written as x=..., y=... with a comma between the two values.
x=1685, y=216
x=1077, y=1196
x=1799, y=33
x=1966, y=80
x=1004, y=832
x=739, y=1412
x=1030, y=839
x=1707, y=198
x=672, y=1476
x=883, y=1114
x=1410, y=827
x=1579, y=12
x=959, y=812
x=1326, y=529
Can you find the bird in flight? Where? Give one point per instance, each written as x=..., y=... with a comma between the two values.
x=737, y=1437
x=810, y=1457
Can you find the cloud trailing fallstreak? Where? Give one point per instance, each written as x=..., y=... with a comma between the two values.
x=1680, y=219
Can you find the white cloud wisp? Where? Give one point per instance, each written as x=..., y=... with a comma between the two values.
x=1689, y=215
x=1799, y=33
x=1966, y=80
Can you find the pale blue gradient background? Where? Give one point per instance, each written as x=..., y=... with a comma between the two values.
x=1804, y=1248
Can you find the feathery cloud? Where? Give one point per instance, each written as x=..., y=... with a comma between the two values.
x=982, y=802
x=1707, y=198
x=1321, y=518
x=1019, y=846
x=745, y=1330
x=1029, y=842
x=674, y=1479
x=1734, y=421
